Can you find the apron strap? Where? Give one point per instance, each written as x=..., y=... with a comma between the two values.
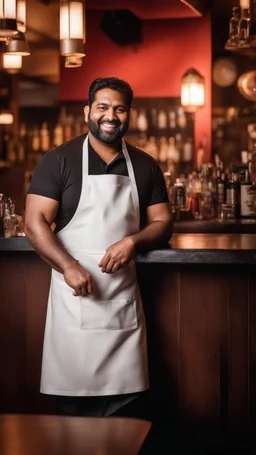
x=131, y=174
x=134, y=189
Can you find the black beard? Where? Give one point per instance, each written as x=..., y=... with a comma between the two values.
x=108, y=137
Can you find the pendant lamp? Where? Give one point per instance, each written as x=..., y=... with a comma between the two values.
x=72, y=28
x=8, y=19
x=192, y=90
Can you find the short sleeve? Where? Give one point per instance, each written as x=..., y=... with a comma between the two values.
x=159, y=193
x=46, y=179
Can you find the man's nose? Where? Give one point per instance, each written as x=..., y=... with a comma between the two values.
x=111, y=115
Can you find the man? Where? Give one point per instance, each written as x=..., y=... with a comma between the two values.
x=108, y=201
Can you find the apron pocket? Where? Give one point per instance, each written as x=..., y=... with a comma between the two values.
x=108, y=314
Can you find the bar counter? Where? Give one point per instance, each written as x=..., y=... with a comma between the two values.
x=182, y=249
x=199, y=296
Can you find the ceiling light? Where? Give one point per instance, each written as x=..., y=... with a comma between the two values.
x=17, y=45
x=12, y=63
x=72, y=28
x=21, y=15
x=6, y=118
x=8, y=22
x=73, y=62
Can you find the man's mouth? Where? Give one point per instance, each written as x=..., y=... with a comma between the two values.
x=108, y=126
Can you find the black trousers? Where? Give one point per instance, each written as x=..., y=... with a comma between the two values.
x=128, y=405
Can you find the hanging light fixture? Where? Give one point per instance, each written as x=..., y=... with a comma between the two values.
x=6, y=118
x=12, y=63
x=73, y=62
x=8, y=21
x=21, y=15
x=192, y=90
x=72, y=28
x=17, y=45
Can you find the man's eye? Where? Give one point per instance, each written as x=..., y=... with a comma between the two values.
x=101, y=108
x=120, y=110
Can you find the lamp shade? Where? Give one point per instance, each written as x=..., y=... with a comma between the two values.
x=6, y=118
x=21, y=15
x=8, y=20
x=12, y=63
x=72, y=28
x=17, y=45
x=192, y=90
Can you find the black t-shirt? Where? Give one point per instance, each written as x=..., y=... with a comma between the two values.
x=58, y=176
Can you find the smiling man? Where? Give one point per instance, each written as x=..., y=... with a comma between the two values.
x=108, y=201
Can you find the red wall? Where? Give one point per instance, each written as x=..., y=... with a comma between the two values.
x=153, y=68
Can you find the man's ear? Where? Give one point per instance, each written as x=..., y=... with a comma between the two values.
x=86, y=113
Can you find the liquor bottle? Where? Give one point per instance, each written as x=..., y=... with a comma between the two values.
x=253, y=22
x=44, y=138
x=233, y=39
x=142, y=121
x=181, y=118
x=58, y=135
x=162, y=119
x=233, y=193
x=245, y=28
x=8, y=223
x=221, y=186
x=248, y=197
x=2, y=201
x=172, y=119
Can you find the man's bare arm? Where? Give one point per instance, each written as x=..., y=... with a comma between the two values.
x=159, y=228
x=40, y=214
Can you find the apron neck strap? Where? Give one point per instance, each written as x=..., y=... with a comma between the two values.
x=130, y=170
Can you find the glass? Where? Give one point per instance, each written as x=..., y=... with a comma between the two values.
x=227, y=212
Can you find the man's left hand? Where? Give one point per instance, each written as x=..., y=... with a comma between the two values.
x=117, y=255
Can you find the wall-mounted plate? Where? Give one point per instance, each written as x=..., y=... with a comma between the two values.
x=247, y=85
x=224, y=72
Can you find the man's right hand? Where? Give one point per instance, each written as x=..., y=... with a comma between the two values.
x=79, y=279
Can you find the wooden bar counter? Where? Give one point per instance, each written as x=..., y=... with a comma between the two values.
x=200, y=302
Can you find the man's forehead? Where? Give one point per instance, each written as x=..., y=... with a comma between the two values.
x=109, y=96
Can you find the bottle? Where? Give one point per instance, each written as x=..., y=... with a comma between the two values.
x=221, y=187
x=142, y=121
x=58, y=136
x=162, y=119
x=8, y=223
x=233, y=193
x=245, y=28
x=44, y=138
x=179, y=198
x=2, y=200
x=233, y=39
x=248, y=197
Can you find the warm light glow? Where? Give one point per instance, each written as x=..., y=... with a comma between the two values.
x=192, y=90
x=72, y=28
x=6, y=118
x=21, y=15
x=12, y=63
x=73, y=62
x=8, y=23
x=8, y=9
x=244, y=4
x=71, y=20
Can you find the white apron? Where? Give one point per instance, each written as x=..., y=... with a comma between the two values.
x=96, y=345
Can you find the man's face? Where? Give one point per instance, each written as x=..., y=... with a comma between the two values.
x=108, y=117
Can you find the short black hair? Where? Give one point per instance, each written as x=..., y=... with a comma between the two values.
x=114, y=84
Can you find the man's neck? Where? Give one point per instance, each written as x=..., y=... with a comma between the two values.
x=106, y=151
